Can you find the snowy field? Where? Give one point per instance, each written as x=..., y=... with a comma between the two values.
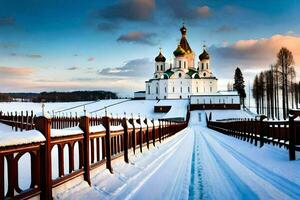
x=197, y=163
x=114, y=107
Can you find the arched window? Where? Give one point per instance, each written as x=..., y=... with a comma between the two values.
x=210, y=89
x=157, y=68
x=165, y=89
x=179, y=63
x=197, y=89
x=179, y=75
x=202, y=66
x=148, y=89
x=188, y=89
x=180, y=89
x=180, y=97
x=206, y=65
x=161, y=68
x=156, y=90
x=184, y=64
x=173, y=89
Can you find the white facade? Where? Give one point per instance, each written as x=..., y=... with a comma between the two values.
x=216, y=98
x=182, y=78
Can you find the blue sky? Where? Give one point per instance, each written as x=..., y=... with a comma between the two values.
x=75, y=45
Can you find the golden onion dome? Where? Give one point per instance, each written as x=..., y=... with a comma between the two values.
x=204, y=55
x=160, y=58
x=179, y=51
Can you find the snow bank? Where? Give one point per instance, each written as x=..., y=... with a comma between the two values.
x=10, y=138
x=66, y=132
x=116, y=128
x=227, y=114
x=98, y=128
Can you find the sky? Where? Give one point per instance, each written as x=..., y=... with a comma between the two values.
x=67, y=45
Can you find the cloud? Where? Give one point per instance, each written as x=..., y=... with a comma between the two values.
x=8, y=72
x=134, y=68
x=225, y=29
x=253, y=54
x=72, y=68
x=26, y=55
x=106, y=26
x=8, y=45
x=180, y=9
x=203, y=11
x=131, y=10
x=7, y=21
x=90, y=59
x=139, y=37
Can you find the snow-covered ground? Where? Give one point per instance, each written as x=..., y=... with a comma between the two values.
x=116, y=107
x=197, y=163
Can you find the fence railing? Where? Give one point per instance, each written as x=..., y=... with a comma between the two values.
x=97, y=141
x=261, y=131
x=22, y=121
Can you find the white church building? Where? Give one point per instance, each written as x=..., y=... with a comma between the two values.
x=184, y=77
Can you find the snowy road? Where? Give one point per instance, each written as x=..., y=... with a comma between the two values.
x=197, y=163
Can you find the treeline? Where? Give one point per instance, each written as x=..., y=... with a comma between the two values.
x=275, y=90
x=59, y=96
x=4, y=97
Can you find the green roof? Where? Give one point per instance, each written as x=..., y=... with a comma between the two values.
x=168, y=74
x=191, y=72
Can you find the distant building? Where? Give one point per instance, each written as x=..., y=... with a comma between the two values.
x=181, y=78
x=139, y=95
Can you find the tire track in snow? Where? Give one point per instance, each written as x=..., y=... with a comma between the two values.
x=154, y=166
x=240, y=189
x=282, y=184
x=196, y=184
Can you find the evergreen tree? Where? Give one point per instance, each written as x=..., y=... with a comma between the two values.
x=239, y=85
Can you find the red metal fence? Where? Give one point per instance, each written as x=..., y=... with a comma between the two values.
x=99, y=141
x=280, y=133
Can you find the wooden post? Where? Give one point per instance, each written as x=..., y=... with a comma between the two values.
x=292, y=152
x=159, y=130
x=262, y=129
x=106, y=124
x=141, y=135
x=153, y=132
x=43, y=125
x=147, y=132
x=2, y=194
x=85, y=127
x=124, y=124
x=133, y=135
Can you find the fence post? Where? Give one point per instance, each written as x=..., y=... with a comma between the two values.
x=133, y=136
x=153, y=132
x=124, y=124
x=147, y=132
x=159, y=130
x=141, y=135
x=292, y=152
x=106, y=124
x=43, y=125
x=84, y=124
x=262, y=129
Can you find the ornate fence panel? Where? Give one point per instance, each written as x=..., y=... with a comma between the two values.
x=72, y=147
x=278, y=133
